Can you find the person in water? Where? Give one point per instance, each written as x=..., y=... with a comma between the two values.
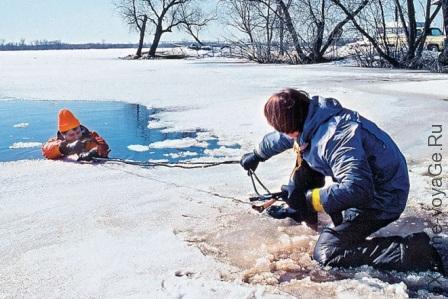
x=73, y=138
x=369, y=190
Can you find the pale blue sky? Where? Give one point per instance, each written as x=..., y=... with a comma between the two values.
x=74, y=21
x=79, y=21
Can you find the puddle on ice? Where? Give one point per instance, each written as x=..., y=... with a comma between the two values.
x=277, y=253
x=132, y=131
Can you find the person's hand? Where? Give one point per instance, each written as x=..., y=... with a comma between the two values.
x=75, y=147
x=103, y=150
x=99, y=140
x=88, y=156
x=250, y=161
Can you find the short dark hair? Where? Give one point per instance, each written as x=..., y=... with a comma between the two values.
x=286, y=110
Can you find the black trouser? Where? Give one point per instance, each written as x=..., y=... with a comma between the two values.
x=345, y=245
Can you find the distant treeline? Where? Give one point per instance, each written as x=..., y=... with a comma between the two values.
x=58, y=45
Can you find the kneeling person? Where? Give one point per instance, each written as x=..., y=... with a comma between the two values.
x=370, y=184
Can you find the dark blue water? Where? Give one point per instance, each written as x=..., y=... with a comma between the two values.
x=120, y=124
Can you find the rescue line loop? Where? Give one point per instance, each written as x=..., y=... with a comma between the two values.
x=253, y=178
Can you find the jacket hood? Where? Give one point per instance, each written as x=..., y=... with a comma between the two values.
x=319, y=111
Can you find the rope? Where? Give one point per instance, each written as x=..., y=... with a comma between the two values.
x=184, y=165
x=254, y=177
x=195, y=165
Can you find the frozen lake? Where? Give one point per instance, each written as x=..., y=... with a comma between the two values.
x=76, y=230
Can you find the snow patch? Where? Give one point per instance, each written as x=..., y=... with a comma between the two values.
x=21, y=125
x=159, y=160
x=18, y=145
x=158, y=124
x=138, y=148
x=223, y=152
x=181, y=155
x=178, y=143
x=224, y=142
x=176, y=129
x=204, y=136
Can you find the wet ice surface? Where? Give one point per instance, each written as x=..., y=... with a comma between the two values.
x=131, y=130
x=278, y=253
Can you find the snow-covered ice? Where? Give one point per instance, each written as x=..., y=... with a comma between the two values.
x=178, y=143
x=158, y=124
x=112, y=230
x=17, y=145
x=21, y=125
x=182, y=154
x=138, y=148
x=224, y=152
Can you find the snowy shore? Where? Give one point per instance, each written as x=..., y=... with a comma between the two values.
x=74, y=230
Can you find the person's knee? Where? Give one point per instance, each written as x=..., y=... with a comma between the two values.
x=319, y=254
x=327, y=247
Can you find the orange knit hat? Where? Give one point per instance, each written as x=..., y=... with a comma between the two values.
x=67, y=121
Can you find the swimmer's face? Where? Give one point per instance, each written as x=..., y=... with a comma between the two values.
x=73, y=134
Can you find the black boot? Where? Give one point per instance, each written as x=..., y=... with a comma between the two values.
x=440, y=243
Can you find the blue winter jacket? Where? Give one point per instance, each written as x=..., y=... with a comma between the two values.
x=369, y=172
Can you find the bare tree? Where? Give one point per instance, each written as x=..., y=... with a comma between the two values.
x=167, y=15
x=313, y=25
x=240, y=14
x=415, y=43
x=134, y=13
x=368, y=25
x=289, y=23
x=443, y=58
x=281, y=31
x=196, y=21
x=259, y=26
x=409, y=54
x=267, y=18
x=162, y=16
x=323, y=25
